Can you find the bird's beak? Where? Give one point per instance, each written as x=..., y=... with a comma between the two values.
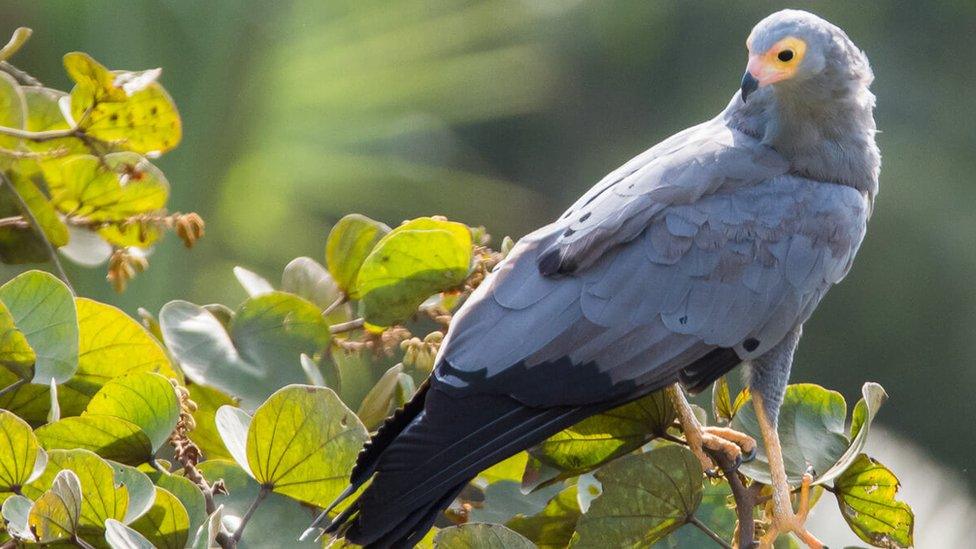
x=749, y=85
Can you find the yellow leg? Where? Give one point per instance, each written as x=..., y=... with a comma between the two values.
x=784, y=519
x=728, y=441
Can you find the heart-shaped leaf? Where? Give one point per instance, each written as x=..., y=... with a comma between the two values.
x=108, y=436
x=866, y=496
x=599, y=439
x=873, y=396
x=21, y=457
x=351, y=239
x=306, y=278
x=253, y=283
x=44, y=309
x=302, y=443
x=205, y=434
x=138, y=485
x=480, y=536
x=166, y=525
x=13, y=110
x=56, y=515
x=414, y=261
x=189, y=495
x=379, y=401
x=54, y=229
x=206, y=535
x=233, y=424
x=128, y=109
x=811, y=430
x=645, y=497
x=16, y=513
x=145, y=399
x=16, y=354
x=260, y=351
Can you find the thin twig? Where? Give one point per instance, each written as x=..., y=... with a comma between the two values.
x=45, y=135
x=20, y=76
x=29, y=215
x=334, y=305
x=17, y=222
x=347, y=326
x=263, y=493
x=708, y=531
x=13, y=386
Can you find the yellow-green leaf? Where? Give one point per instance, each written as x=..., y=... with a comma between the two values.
x=139, y=486
x=43, y=114
x=480, y=536
x=302, y=442
x=378, y=402
x=146, y=399
x=111, y=344
x=645, y=497
x=16, y=354
x=110, y=437
x=128, y=109
x=866, y=496
x=47, y=218
x=189, y=495
x=351, y=239
x=110, y=189
x=553, y=527
x=13, y=110
x=19, y=453
x=43, y=307
x=414, y=261
x=56, y=515
x=120, y=536
x=104, y=497
x=166, y=525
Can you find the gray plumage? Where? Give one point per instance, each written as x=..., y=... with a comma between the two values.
x=721, y=239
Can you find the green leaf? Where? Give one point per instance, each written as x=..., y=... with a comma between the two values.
x=253, y=283
x=306, y=278
x=189, y=495
x=277, y=518
x=18, y=245
x=480, y=536
x=509, y=469
x=722, y=400
x=554, y=526
x=379, y=401
x=167, y=524
x=43, y=114
x=504, y=499
x=16, y=513
x=110, y=437
x=146, y=399
x=866, y=496
x=408, y=265
x=54, y=229
x=111, y=189
x=811, y=430
x=44, y=309
x=13, y=110
x=56, y=514
x=16, y=354
x=120, y=536
x=302, y=442
x=21, y=457
x=233, y=424
x=601, y=438
x=351, y=239
x=104, y=498
x=873, y=396
x=645, y=497
x=206, y=535
x=128, y=109
x=714, y=512
x=112, y=344
x=260, y=351
x=140, y=488
x=205, y=434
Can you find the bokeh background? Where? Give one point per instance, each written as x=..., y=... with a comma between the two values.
x=501, y=112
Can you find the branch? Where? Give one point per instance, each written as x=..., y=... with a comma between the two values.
x=29, y=215
x=13, y=386
x=46, y=135
x=17, y=222
x=708, y=532
x=263, y=493
x=334, y=305
x=347, y=326
x=745, y=499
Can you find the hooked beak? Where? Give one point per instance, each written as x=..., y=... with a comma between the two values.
x=749, y=85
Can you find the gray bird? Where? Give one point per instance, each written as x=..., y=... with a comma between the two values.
x=709, y=250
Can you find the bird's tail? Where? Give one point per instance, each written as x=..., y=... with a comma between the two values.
x=445, y=444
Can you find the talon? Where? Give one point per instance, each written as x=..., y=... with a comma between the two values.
x=811, y=471
x=713, y=472
x=737, y=462
x=750, y=455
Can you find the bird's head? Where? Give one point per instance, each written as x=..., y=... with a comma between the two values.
x=796, y=50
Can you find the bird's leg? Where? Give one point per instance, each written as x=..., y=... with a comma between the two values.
x=784, y=519
x=730, y=442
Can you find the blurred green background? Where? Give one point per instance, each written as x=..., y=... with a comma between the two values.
x=502, y=112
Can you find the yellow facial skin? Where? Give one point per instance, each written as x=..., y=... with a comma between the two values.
x=778, y=63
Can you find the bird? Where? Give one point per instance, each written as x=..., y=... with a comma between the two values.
x=708, y=251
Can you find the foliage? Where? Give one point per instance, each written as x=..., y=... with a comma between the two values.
x=233, y=426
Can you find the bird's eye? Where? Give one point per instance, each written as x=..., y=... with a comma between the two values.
x=785, y=55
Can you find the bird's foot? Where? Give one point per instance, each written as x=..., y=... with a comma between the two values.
x=786, y=521
x=737, y=447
